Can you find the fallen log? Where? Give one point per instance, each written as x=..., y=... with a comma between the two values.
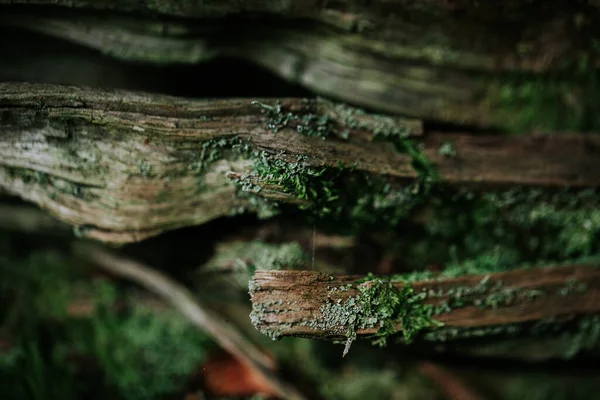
x=125, y=166
x=459, y=68
x=316, y=305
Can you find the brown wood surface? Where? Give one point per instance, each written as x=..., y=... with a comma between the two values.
x=283, y=301
x=124, y=165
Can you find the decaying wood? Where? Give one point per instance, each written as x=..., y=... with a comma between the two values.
x=125, y=166
x=184, y=8
x=294, y=8
x=223, y=333
x=393, y=58
x=287, y=303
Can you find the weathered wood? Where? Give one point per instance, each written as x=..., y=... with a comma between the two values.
x=185, y=8
x=124, y=166
x=450, y=68
x=295, y=303
x=294, y=8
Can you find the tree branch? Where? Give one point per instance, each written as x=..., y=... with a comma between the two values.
x=189, y=9
x=486, y=69
x=125, y=166
x=292, y=303
x=224, y=334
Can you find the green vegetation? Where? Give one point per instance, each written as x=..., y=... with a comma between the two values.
x=565, y=101
x=214, y=150
x=378, y=305
x=131, y=353
x=306, y=124
x=469, y=233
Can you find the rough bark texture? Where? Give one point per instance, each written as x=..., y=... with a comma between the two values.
x=186, y=8
x=294, y=303
x=389, y=57
x=126, y=166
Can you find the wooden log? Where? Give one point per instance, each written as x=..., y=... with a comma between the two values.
x=189, y=9
x=315, y=305
x=407, y=61
x=125, y=166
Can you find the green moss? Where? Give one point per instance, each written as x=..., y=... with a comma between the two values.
x=380, y=305
x=144, y=354
x=30, y=374
x=539, y=386
x=348, y=198
x=141, y=354
x=315, y=185
x=585, y=337
x=565, y=101
x=466, y=232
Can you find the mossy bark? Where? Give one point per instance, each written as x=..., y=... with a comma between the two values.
x=315, y=305
x=124, y=166
x=186, y=8
x=485, y=68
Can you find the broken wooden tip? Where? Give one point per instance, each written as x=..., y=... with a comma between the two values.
x=315, y=305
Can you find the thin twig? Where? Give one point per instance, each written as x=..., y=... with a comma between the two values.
x=452, y=386
x=296, y=303
x=182, y=299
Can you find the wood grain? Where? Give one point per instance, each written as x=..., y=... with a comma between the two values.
x=283, y=301
x=124, y=166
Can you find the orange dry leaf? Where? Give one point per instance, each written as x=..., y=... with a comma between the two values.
x=225, y=375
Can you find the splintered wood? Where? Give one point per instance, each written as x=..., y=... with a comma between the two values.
x=124, y=166
x=297, y=303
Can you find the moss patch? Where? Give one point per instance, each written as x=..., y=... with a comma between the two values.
x=119, y=349
x=565, y=101
x=380, y=305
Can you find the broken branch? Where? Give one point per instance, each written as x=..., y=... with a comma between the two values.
x=124, y=166
x=315, y=305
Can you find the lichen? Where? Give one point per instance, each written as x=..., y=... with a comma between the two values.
x=308, y=124
x=380, y=305
x=214, y=150
x=447, y=150
x=379, y=125
x=323, y=118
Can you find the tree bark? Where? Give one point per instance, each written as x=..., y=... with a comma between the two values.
x=487, y=69
x=294, y=303
x=125, y=166
x=184, y=8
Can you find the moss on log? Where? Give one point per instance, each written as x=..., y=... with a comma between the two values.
x=124, y=166
x=186, y=8
x=316, y=305
x=538, y=74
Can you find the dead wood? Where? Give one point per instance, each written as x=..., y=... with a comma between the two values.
x=125, y=166
x=485, y=68
x=295, y=303
x=182, y=299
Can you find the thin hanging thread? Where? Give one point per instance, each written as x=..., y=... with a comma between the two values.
x=313, y=245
